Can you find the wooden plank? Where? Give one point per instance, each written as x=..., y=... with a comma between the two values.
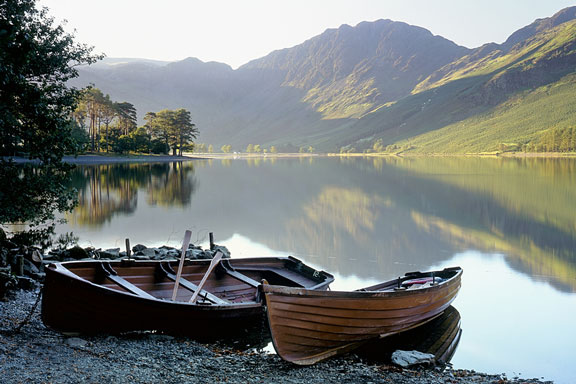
x=213, y=264
x=187, y=236
x=122, y=282
x=237, y=275
x=193, y=287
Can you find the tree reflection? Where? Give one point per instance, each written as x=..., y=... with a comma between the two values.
x=108, y=190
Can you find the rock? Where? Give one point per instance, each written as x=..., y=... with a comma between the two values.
x=148, y=252
x=112, y=253
x=222, y=249
x=26, y=283
x=2, y=235
x=78, y=253
x=198, y=254
x=30, y=267
x=160, y=337
x=76, y=342
x=36, y=256
x=407, y=359
x=138, y=248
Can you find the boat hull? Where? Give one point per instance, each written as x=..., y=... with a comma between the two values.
x=77, y=300
x=309, y=326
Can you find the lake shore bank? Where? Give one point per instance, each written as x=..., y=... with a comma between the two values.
x=38, y=354
x=97, y=159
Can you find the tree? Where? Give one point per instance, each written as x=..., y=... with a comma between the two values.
x=126, y=113
x=200, y=148
x=37, y=58
x=379, y=146
x=175, y=128
x=273, y=149
x=184, y=130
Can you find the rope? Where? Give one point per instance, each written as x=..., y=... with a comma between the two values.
x=29, y=316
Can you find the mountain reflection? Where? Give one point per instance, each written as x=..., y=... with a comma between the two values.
x=375, y=218
x=112, y=189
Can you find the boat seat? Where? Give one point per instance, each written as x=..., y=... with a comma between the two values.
x=112, y=275
x=167, y=271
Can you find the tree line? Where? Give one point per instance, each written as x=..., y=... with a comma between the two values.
x=555, y=140
x=103, y=125
x=253, y=148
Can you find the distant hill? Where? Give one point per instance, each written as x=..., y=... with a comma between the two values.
x=351, y=86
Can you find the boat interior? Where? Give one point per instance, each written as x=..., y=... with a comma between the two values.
x=232, y=281
x=415, y=280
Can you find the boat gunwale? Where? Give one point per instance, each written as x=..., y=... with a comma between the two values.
x=365, y=294
x=61, y=269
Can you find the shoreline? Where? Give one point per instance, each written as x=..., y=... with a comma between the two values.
x=97, y=159
x=38, y=354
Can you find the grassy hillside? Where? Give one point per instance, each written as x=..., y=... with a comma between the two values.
x=491, y=97
x=521, y=119
x=383, y=80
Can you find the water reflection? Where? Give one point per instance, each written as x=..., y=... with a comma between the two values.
x=375, y=218
x=109, y=190
x=439, y=337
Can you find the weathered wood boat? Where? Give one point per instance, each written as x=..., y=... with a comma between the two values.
x=119, y=296
x=309, y=326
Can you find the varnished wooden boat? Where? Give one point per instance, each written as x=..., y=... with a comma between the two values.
x=119, y=296
x=309, y=326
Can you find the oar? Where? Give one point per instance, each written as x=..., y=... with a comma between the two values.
x=213, y=264
x=187, y=236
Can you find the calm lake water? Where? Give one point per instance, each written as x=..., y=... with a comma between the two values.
x=510, y=223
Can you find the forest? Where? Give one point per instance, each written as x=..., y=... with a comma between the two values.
x=104, y=125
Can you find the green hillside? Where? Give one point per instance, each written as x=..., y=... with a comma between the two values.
x=519, y=120
x=383, y=81
x=485, y=100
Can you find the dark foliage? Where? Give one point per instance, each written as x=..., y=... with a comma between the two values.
x=37, y=58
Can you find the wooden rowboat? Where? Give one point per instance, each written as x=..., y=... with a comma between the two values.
x=120, y=296
x=309, y=326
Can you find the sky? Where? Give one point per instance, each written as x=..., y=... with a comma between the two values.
x=237, y=31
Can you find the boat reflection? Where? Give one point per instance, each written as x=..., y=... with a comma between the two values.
x=439, y=337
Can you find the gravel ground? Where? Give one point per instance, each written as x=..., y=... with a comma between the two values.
x=36, y=354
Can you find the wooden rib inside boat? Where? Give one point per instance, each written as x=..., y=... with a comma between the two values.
x=310, y=326
x=121, y=296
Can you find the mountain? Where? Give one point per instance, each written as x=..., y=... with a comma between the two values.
x=351, y=86
x=346, y=72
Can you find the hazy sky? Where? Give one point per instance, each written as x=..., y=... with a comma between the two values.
x=237, y=31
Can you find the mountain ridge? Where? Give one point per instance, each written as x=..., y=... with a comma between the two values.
x=349, y=86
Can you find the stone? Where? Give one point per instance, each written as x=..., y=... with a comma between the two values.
x=26, y=283
x=36, y=256
x=199, y=254
x=148, y=252
x=160, y=337
x=30, y=267
x=138, y=248
x=112, y=253
x=407, y=359
x=78, y=253
x=76, y=342
x=222, y=249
